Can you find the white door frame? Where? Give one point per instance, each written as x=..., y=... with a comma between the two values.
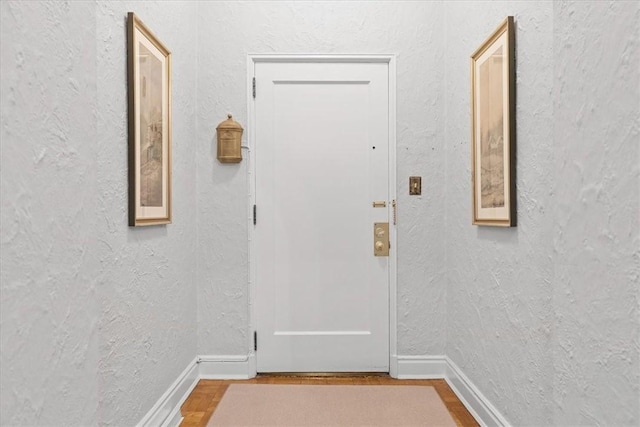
x=252, y=59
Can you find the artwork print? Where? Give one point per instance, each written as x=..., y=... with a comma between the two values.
x=150, y=81
x=493, y=128
x=492, y=132
x=149, y=69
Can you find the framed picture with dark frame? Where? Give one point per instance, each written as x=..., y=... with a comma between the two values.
x=493, y=124
x=149, y=92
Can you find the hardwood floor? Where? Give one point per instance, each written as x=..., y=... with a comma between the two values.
x=201, y=403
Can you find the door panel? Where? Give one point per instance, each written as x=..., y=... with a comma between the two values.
x=321, y=155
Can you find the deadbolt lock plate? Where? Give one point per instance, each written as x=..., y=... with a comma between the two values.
x=381, y=239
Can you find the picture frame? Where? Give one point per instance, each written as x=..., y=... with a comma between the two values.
x=149, y=111
x=493, y=127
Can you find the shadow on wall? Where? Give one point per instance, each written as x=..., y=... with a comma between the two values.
x=501, y=235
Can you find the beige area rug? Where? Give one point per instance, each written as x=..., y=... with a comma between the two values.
x=330, y=405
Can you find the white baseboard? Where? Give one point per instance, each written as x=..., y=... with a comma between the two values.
x=420, y=367
x=441, y=367
x=393, y=366
x=479, y=406
x=227, y=367
x=166, y=411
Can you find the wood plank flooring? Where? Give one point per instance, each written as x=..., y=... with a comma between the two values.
x=204, y=398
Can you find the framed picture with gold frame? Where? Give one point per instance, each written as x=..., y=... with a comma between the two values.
x=493, y=124
x=149, y=93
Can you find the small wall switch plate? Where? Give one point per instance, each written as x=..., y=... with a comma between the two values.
x=415, y=185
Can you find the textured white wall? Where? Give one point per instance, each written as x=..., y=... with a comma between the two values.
x=228, y=32
x=148, y=298
x=98, y=318
x=596, y=213
x=50, y=267
x=499, y=311
x=543, y=318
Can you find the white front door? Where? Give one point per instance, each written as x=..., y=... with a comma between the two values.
x=321, y=161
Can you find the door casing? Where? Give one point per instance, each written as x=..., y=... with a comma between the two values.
x=252, y=59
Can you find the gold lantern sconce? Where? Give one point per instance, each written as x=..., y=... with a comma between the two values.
x=229, y=141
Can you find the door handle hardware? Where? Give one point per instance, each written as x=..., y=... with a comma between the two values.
x=381, y=239
x=380, y=204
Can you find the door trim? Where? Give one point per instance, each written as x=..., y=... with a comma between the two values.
x=252, y=60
